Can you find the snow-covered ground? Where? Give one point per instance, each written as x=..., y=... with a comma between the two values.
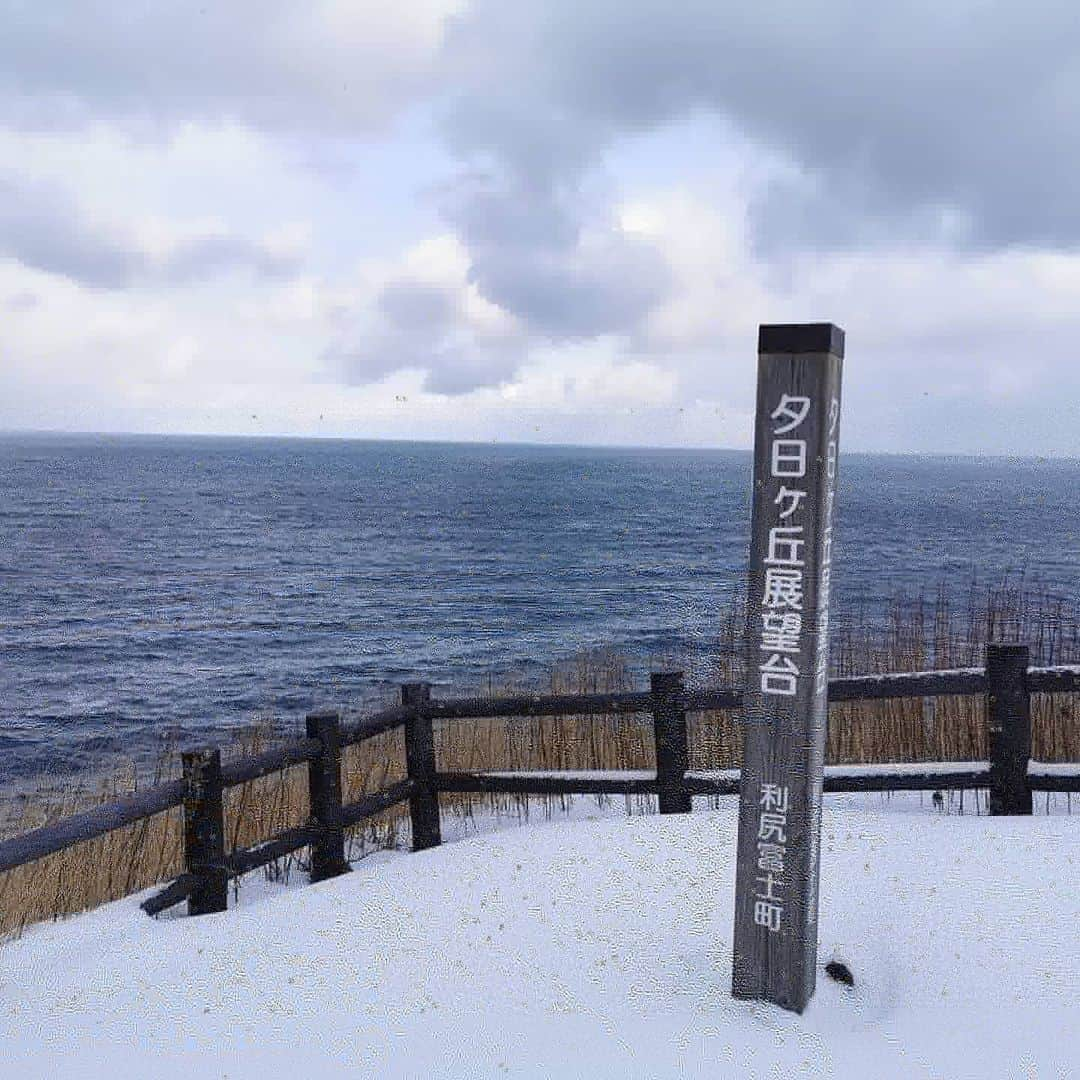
x=580, y=949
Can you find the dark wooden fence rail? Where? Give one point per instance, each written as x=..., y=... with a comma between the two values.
x=1007, y=680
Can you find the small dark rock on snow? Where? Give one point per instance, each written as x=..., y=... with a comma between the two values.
x=841, y=973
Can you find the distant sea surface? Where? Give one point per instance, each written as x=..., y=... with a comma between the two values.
x=153, y=585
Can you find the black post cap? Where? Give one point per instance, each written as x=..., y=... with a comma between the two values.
x=822, y=337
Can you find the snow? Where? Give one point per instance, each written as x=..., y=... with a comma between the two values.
x=899, y=768
x=1052, y=768
x=578, y=949
x=577, y=774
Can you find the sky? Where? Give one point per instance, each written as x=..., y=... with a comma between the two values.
x=545, y=221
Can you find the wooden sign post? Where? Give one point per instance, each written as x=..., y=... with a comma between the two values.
x=785, y=702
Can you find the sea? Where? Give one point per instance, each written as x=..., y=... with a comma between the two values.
x=181, y=588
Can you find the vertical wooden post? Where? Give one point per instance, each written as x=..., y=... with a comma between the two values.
x=204, y=831
x=1008, y=718
x=324, y=791
x=420, y=762
x=796, y=442
x=669, y=729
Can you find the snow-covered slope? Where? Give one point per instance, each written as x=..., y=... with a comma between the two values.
x=581, y=949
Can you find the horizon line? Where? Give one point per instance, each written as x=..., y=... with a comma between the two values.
x=268, y=437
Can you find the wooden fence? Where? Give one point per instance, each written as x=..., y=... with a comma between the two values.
x=1007, y=681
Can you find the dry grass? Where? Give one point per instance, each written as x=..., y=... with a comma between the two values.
x=918, y=634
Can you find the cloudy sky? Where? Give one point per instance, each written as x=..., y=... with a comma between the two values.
x=546, y=220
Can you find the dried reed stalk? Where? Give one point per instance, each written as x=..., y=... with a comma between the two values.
x=918, y=634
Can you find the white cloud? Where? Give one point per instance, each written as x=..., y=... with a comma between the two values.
x=328, y=65
x=245, y=221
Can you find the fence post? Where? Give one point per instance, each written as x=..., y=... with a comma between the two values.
x=204, y=831
x=420, y=762
x=1008, y=719
x=669, y=729
x=324, y=791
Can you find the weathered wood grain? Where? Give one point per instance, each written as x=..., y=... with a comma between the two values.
x=1008, y=718
x=294, y=752
x=420, y=764
x=670, y=737
x=775, y=937
x=88, y=825
x=324, y=794
x=204, y=831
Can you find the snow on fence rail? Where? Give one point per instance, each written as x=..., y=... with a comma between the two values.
x=1009, y=774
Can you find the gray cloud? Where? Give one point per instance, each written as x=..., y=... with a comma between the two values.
x=917, y=124
x=914, y=108
x=21, y=302
x=539, y=254
x=266, y=63
x=411, y=306
x=211, y=253
x=462, y=370
x=531, y=256
x=897, y=110
x=416, y=324
x=42, y=228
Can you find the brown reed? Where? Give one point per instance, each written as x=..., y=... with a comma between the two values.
x=918, y=634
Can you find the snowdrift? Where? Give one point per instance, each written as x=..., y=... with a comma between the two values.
x=582, y=949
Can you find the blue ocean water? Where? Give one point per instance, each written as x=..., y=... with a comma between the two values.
x=194, y=584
